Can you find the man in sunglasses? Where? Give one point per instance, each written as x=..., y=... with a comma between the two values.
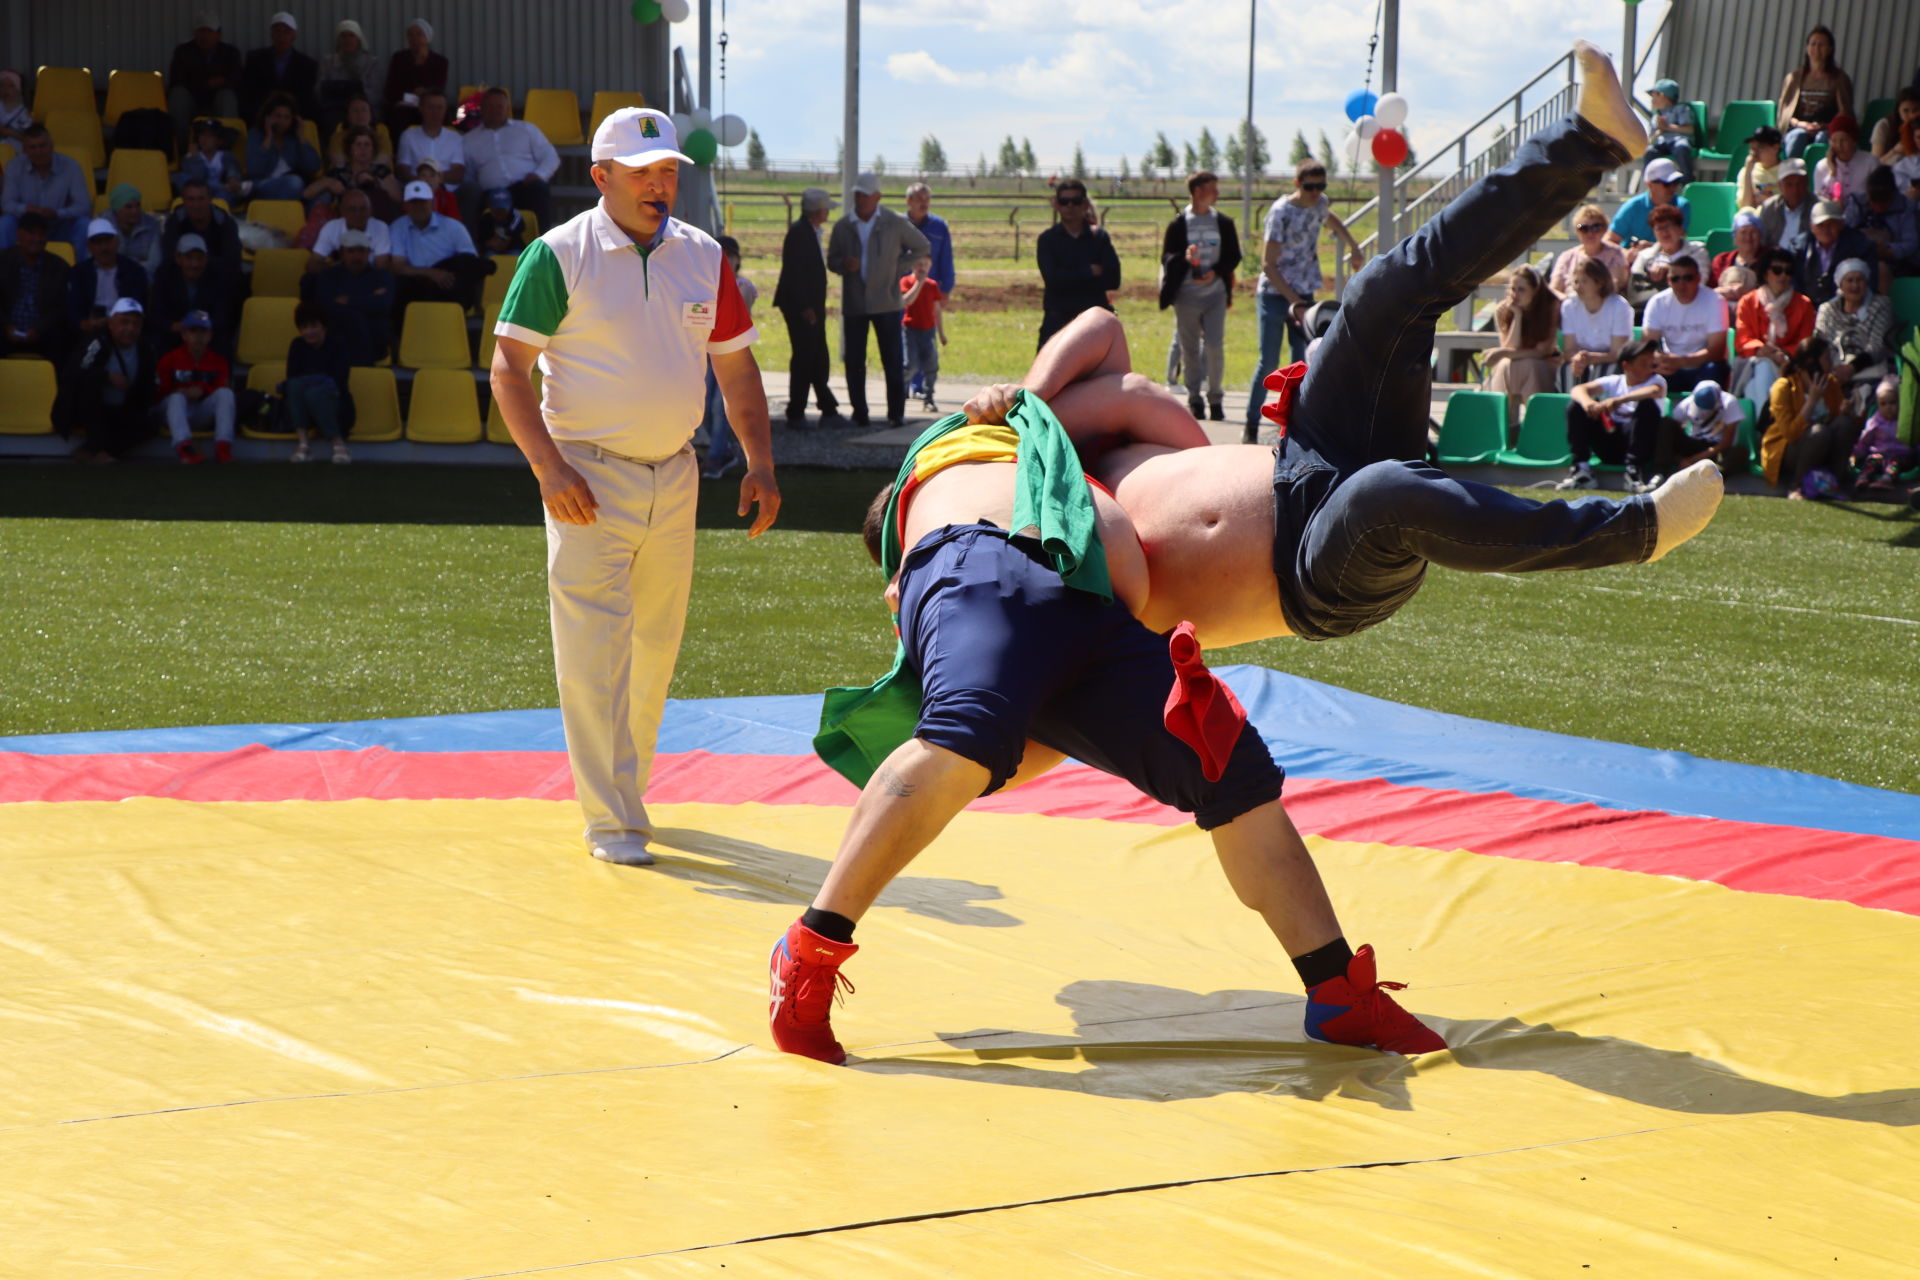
x=1077, y=261
x=1690, y=324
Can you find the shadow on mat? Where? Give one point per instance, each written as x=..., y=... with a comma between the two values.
x=1161, y=1044
x=752, y=872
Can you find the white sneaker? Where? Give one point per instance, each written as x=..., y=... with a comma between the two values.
x=623, y=853
x=1578, y=478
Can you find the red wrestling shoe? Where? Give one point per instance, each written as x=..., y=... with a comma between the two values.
x=805, y=977
x=1356, y=1009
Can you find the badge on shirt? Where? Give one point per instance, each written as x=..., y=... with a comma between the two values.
x=697, y=315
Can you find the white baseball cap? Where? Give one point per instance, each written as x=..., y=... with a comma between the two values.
x=283, y=19
x=1790, y=169
x=126, y=305
x=867, y=184
x=190, y=243
x=102, y=227
x=638, y=136
x=1663, y=170
x=417, y=191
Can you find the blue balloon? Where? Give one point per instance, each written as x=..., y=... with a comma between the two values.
x=1361, y=103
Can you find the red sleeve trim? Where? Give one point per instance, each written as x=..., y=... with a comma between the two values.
x=731, y=318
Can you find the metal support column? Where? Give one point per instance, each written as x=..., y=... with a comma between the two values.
x=1389, y=83
x=850, y=127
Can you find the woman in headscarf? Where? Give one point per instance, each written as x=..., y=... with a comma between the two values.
x=411, y=72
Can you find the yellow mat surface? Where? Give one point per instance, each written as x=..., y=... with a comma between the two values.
x=434, y=1039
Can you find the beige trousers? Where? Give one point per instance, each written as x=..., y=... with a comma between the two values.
x=619, y=590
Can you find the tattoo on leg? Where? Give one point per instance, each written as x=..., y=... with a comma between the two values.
x=892, y=783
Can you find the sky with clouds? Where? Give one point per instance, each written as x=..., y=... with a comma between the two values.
x=1108, y=74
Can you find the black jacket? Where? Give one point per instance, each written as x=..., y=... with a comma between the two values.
x=190, y=69
x=1066, y=267
x=803, y=272
x=171, y=297
x=1809, y=276
x=258, y=80
x=50, y=302
x=81, y=400
x=1173, y=256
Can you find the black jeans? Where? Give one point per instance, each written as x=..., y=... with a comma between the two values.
x=809, y=365
x=1635, y=445
x=468, y=272
x=886, y=331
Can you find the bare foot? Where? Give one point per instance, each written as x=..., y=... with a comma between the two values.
x=1603, y=103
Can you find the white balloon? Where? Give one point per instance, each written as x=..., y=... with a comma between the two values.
x=682, y=123
x=1366, y=127
x=731, y=131
x=675, y=10
x=1352, y=148
x=1391, y=111
x=701, y=118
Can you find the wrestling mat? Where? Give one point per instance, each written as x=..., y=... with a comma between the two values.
x=350, y=1001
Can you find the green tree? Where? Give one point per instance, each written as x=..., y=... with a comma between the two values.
x=756, y=154
x=879, y=166
x=1161, y=157
x=1326, y=154
x=1079, y=163
x=1234, y=154
x=933, y=156
x=1300, y=150
x=980, y=169
x=1009, y=157
x=1027, y=163
x=1126, y=172
x=1253, y=148
x=1207, y=151
x=1186, y=149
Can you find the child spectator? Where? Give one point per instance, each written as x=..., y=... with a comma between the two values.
x=1674, y=133
x=723, y=450
x=1709, y=420
x=444, y=201
x=1879, y=455
x=211, y=162
x=499, y=228
x=1617, y=419
x=317, y=397
x=922, y=322
x=1760, y=175
x=194, y=390
x=1897, y=137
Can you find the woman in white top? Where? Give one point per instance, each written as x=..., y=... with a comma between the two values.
x=1594, y=324
x=1528, y=357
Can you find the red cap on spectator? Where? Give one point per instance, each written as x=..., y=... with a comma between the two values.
x=1843, y=124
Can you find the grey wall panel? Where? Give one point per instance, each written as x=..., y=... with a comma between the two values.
x=1724, y=49
x=581, y=45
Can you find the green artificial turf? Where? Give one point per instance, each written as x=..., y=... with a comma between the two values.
x=1788, y=635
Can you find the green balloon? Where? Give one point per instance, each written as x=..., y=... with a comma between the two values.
x=701, y=145
x=645, y=10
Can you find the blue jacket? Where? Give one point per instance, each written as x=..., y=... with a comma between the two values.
x=940, y=239
x=130, y=278
x=262, y=159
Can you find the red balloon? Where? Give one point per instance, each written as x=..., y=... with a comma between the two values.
x=1390, y=147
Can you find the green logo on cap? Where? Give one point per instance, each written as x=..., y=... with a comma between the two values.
x=648, y=129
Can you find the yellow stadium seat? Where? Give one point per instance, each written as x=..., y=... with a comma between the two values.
x=78, y=133
x=264, y=377
x=266, y=329
x=27, y=389
x=277, y=272
x=238, y=127
x=7, y=154
x=532, y=220
x=146, y=170
x=289, y=216
x=608, y=101
x=489, y=316
x=445, y=408
x=219, y=202
x=63, y=88
x=133, y=91
x=310, y=134
x=556, y=113
x=376, y=405
x=497, y=432
x=433, y=335
x=61, y=249
x=495, y=291
x=81, y=158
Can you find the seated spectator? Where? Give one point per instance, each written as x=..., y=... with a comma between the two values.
x=1859, y=325
x=1771, y=324
x=1814, y=95
x=212, y=161
x=194, y=386
x=1708, y=426
x=356, y=214
x=1879, y=455
x=444, y=201
x=501, y=229
x=33, y=294
x=1648, y=273
x=1590, y=225
x=1887, y=218
x=1786, y=216
x=363, y=173
x=203, y=77
x=106, y=390
x=1897, y=137
x=279, y=68
x=1811, y=429
x=317, y=392
x=412, y=73
x=100, y=280
x=359, y=298
x=1595, y=324
x=432, y=254
x=359, y=115
x=140, y=231
x=280, y=164
x=1673, y=132
x=1749, y=243
x=433, y=139
x=1760, y=174
x=1528, y=357
x=1616, y=419
x=1736, y=282
x=198, y=215
x=190, y=284
x=504, y=152
x=1689, y=324
x=1632, y=223
x=346, y=72
x=1842, y=172
x=16, y=117
x=1831, y=243
x=41, y=180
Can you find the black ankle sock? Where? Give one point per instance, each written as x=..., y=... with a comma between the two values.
x=834, y=926
x=1321, y=963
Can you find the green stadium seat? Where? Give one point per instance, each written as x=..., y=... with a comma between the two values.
x=133, y=91
x=1813, y=155
x=146, y=170
x=1713, y=205
x=433, y=335
x=1877, y=110
x=1719, y=242
x=1475, y=428
x=608, y=101
x=376, y=405
x=1738, y=120
x=1906, y=300
x=445, y=408
x=266, y=329
x=63, y=88
x=556, y=113
x=27, y=390
x=277, y=272
x=1543, y=434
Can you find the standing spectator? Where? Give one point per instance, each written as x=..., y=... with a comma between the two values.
x=1749, y=242
x=33, y=294
x=356, y=214
x=432, y=255
x=870, y=247
x=922, y=328
x=723, y=447
x=1814, y=94
x=1709, y=421
x=1651, y=265
x=412, y=73
x=212, y=162
x=625, y=339
x=1787, y=216
x=348, y=71
x=1078, y=265
x=16, y=117
x=940, y=237
x=1831, y=243
x=1590, y=225
x=1887, y=218
x=359, y=298
x=203, y=77
x=199, y=215
x=432, y=139
x=504, y=152
x=194, y=390
x=1760, y=173
x=1198, y=257
x=1690, y=325
x=41, y=180
x=1616, y=418
x=280, y=163
x=1897, y=137
x=1675, y=133
x=1633, y=221
x=1879, y=455
x=107, y=388
x=1842, y=172
x=187, y=284
x=1528, y=357
x=1290, y=274
x=363, y=174
x=801, y=297
x=1858, y=323
x=500, y=229
x=140, y=231
x=1811, y=429
x=1773, y=321
x=319, y=401
x=279, y=68
x=99, y=280
x=1595, y=324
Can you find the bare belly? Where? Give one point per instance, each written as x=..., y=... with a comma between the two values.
x=1205, y=517
x=975, y=491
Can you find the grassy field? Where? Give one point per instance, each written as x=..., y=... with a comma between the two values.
x=146, y=596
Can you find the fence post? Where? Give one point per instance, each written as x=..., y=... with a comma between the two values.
x=1013, y=220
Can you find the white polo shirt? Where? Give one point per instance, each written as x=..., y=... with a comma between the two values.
x=624, y=332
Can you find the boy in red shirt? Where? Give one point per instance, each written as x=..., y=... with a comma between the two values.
x=919, y=326
x=194, y=390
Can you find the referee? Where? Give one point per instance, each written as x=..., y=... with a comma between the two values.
x=622, y=307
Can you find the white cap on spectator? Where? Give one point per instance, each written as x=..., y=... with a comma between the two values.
x=1852, y=266
x=351, y=239
x=1790, y=169
x=190, y=243
x=127, y=306
x=638, y=136
x=283, y=19
x=102, y=227
x=426, y=28
x=428, y=162
x=1828, y=211
x=206, y=20
x=348, y=24
x=814, y=199
x=417, y=191
x=866, y=184
x=1663, y=170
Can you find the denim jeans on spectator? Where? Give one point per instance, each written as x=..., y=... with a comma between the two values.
x=920, y=349
x=723, y=449
x=287, y=186
x=1685, y=380
x=1275, y=318
x=1678, y=150
x=313, y=405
